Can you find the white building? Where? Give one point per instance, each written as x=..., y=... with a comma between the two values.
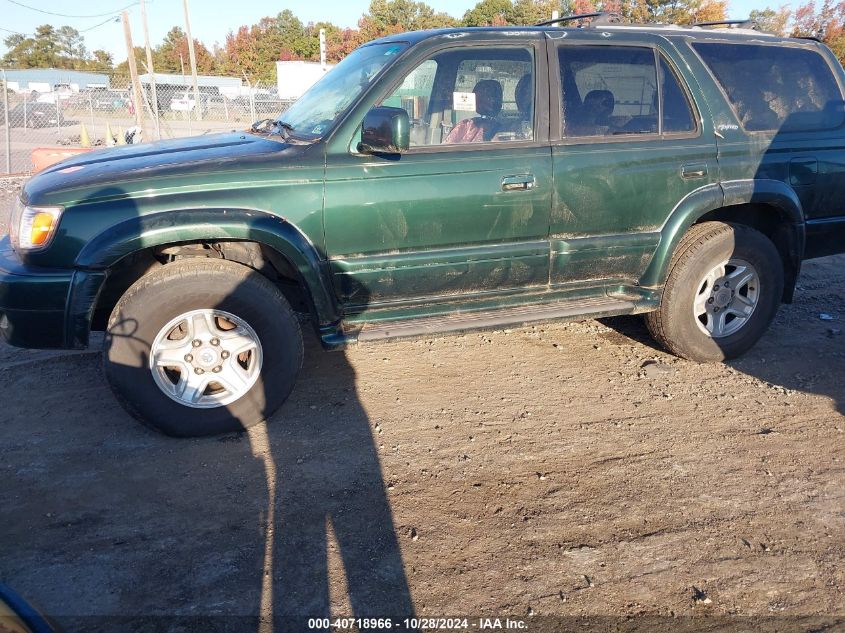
x=294, y=78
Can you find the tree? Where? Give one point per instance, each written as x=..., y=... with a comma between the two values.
x=49, y=47
x=140, y=61
x=708, y=11
x=70, y=46
x=172, y=54
x=772, y=20
x=38, y=51
x=101, y=60
x=290, y=31
x=827, y=24
x=252, y=51
x=489, y=12
x=243, y=55
x=386, y=17
x=528, y=12
x=339, y=43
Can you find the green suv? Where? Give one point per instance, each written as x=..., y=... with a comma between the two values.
x=442, y=181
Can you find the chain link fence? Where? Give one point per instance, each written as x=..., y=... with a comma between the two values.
x=68, y=115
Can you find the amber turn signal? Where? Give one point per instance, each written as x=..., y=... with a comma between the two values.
x=42, y=226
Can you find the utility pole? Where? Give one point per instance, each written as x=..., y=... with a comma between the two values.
x=323, y=49
x=7, y=123
x=133, y=72
x=192, y=55
x=151, y=70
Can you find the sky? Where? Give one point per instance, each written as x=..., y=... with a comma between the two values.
x=211, y=20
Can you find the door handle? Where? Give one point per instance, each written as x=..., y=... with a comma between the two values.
x=523, y=182
x=697, y=170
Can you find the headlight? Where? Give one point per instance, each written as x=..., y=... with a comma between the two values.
x=33, y=228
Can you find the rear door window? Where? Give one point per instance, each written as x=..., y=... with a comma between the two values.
x=618, y=91
x=775, y=88
x=677, y=112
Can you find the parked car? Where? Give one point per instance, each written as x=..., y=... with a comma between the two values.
x=183, y=102
x=105, y=99
x=60, y=93
x=36, y=114
x=441, y=181
x=186, y=102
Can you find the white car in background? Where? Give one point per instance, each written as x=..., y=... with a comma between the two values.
x=60, y=93
x=187, y=102
x=183, y=103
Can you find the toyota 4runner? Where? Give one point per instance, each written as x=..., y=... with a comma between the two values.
x=442, y=181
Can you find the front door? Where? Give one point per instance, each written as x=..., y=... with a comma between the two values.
x=465, y=212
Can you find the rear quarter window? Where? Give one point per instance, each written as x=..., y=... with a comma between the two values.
x=775, y=88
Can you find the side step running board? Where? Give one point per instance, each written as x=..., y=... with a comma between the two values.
x=461, y=322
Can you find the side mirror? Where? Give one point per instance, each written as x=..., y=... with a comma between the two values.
x=385, y=131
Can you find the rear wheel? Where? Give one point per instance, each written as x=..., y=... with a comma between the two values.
x=201, y=347
x=724, y=287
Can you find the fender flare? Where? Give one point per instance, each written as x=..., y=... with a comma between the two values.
x=714, y=196
x=189, y=225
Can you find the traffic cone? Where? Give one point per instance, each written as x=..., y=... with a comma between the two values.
x=109, y=137
x=121, y=137
x=84, y=139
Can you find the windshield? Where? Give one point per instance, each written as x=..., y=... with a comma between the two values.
x=316, y=111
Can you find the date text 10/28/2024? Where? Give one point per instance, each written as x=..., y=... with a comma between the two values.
x=425, y=624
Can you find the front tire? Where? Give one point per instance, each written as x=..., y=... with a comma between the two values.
x=724, y=287
x=202, y=347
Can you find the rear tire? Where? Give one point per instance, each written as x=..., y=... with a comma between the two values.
x=724, y=287
x=225, y=348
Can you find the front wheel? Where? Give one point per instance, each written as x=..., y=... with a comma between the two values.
x=724, y=287
x=202, y=347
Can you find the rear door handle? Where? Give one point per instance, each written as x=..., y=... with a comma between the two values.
x=522, y=182
x=697, y=170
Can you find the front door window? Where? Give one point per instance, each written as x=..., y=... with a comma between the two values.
x=469, y=95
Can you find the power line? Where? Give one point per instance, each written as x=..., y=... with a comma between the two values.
x=113, y=18
x=66, y=15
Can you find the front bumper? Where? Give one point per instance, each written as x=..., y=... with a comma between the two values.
x=32, y=302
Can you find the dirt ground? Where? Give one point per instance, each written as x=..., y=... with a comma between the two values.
x=566, y=469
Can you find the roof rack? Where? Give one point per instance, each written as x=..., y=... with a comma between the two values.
x=739, y=24
x=599, y=18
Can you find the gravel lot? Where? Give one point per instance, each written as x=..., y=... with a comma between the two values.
x=566, y=469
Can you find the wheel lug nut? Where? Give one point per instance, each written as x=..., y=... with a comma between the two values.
x=716, y=287
x=189, y=358
x=225, y=354
x=715, y=309
x=215, y=341
x=727, y=285
x=199, y=370
x=710, y=300
x=197, y=343
x=217, y=369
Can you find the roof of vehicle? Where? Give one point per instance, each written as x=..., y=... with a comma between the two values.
x=666, y=30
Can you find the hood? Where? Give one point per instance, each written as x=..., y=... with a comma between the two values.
x=139, y=164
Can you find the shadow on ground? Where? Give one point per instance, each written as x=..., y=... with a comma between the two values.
x=804, y=349
x=294, y=515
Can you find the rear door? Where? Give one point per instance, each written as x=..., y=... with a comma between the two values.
x=629, y=142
